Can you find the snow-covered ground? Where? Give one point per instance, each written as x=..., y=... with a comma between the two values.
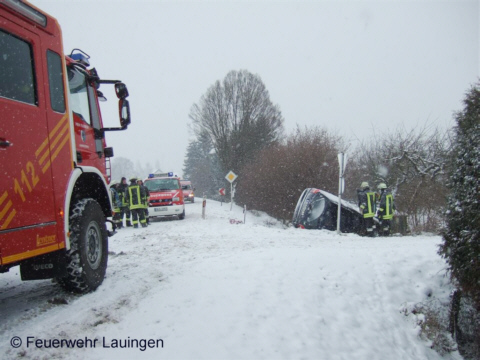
x=210, y=289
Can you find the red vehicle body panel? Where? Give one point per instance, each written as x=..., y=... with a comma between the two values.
x=165, y=195
x=37, y=168
x=30, y=199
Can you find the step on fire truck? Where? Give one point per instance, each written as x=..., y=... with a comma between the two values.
x=55, y=165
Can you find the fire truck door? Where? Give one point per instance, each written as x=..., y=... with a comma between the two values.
x=86, y=119
x=26, y=192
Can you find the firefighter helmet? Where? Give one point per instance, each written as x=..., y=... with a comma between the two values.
x=382, y=186
x=364, y=185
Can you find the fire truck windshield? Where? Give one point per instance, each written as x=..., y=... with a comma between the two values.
x=78, y=94
x=161, y=184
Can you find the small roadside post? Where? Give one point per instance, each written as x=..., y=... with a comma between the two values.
x=231, y=176
x=342, y=162
x=204, y=204
x=221, y=191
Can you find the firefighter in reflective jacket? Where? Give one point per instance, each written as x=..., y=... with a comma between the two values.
x=366, y=203
x=385, y=209
x=122, y=188
x=116, y=205
x=144, y=199
x=134, y=195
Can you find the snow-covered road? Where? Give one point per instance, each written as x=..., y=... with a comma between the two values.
x=209, y=289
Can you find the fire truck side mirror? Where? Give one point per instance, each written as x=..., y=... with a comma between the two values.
x=121, y=90
x=124, y=112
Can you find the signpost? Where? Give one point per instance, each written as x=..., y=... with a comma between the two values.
x=231, y=176
x=342, y=162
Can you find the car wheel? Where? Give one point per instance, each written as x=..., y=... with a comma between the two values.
x=182, y=216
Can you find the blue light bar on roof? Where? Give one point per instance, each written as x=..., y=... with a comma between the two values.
x=82, y=59
x=151, y=176
x=170, y=174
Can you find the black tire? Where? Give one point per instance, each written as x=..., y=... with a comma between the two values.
x=88, y=254
x=182, y=216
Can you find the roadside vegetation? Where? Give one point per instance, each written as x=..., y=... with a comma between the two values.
x=433, y=174
x=237, y=127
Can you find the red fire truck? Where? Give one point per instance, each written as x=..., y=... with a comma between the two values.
x=166, y=196
x=54, y=161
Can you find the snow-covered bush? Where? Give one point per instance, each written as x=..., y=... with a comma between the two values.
x=465, y=326
x=461, y=238
x=432, y=320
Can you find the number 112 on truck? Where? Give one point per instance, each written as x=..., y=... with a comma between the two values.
x=54, y=160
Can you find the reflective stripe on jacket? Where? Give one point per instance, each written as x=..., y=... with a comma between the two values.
x=145, y=196
x=366, y=202
x=386, y=205
x=135, y=194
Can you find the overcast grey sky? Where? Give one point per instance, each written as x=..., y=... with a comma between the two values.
x=354, y=67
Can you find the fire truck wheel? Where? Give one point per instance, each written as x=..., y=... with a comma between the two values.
x=182, y=216
x=88, y=254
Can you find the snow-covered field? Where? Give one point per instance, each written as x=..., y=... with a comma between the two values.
x=209, y=289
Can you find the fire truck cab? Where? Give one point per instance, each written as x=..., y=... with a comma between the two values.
x=166, y=195
x=54, y=197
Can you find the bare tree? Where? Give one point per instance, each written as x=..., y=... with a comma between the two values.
x=239, y=117
x=413, y=164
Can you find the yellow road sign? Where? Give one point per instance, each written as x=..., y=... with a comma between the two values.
x=231, y=176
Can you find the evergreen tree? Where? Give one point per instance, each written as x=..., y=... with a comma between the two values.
x=202, y=167
x=461, y=239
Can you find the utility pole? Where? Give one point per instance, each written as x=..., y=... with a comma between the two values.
x=342, y=161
